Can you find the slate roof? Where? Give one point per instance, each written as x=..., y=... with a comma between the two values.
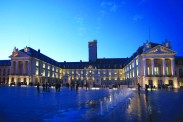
x=34, y=53
x=104, y=63
x=5, y=62
x=140, y=51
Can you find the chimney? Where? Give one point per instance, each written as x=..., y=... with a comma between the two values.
x=39, y=51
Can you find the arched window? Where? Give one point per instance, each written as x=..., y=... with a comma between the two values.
x=180, y=73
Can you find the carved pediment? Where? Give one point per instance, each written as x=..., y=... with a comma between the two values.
x=18, y=54
x=160, y=50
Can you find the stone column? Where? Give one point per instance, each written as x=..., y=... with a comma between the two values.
x=152, y=66
x=164, y=67
x=28, y=66
x=16, y=72
x=173, y=66
x=145, y=72
x=11, y=68
x=135, y=68
x=23, y=67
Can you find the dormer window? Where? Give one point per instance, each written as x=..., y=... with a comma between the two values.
x=147, y=45
x=44, y=65
x=167, y=45
x=37, y=63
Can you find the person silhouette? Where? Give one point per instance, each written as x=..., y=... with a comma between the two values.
x=138, y=87
x=38, y=90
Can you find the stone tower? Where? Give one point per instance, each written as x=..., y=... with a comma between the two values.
x=92, y=46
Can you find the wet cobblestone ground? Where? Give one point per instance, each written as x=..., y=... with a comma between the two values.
x=26, y=104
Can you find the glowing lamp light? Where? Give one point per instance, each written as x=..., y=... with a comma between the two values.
x=95, y=88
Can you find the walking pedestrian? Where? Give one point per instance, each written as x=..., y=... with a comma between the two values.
x=38, y=90
x=138, y=87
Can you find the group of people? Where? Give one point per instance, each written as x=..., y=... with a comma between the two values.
x=73, y=85
x=57, y=87
x=46, y=87
x=146, y=87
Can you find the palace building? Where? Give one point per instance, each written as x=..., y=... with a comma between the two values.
x=152, y=64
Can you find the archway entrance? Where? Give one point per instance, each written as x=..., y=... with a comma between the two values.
x=90, y=76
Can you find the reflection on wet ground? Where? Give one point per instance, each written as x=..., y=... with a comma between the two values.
x=25, y=104
x=153, y=106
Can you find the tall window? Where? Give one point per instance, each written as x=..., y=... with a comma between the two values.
x=167, y=70
x=109, y=73
x=137, y=71
x=148, y=71
x=156, y=70
x=63, y=73
x=104, y=78
x=98, y=71
x=44, y=65
x=109, y=78
x=136, y=61
x=37, y=63
x=37, y=71
x=43, y=72
x=180, y=72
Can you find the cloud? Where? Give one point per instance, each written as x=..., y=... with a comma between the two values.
x=79, y=20
x=137, y=18
x=109, y=6
x=114, y=8
x=106, y=9
x=80, y=26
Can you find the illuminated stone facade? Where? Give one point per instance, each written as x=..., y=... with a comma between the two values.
x=152, y=64
x=31, y=66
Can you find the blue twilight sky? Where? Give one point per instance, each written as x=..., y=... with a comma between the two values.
x=61, y=29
